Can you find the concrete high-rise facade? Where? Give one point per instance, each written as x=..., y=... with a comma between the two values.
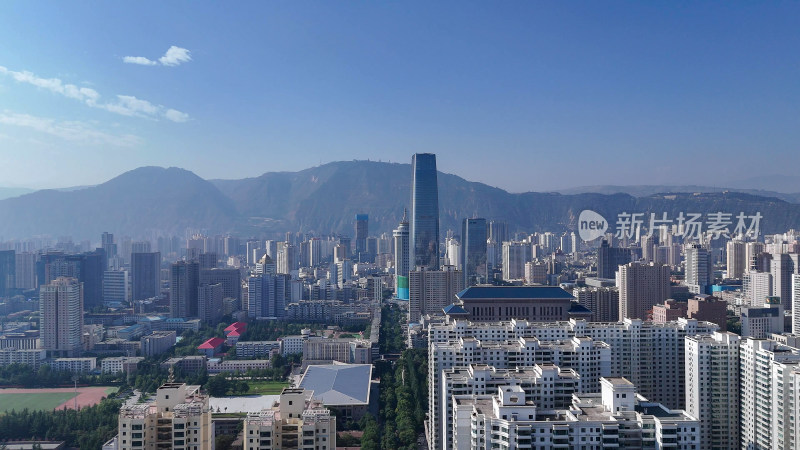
x=641, y=286
x=736, y=258
x=795, y=304
x=179, y=418
x=362, y=232
x=782, y=267
x=209, y=303
x=297, y=420
x=498, y=231
x=25, y=271
x=8, y=274
x=602, y=301
x=401, y=258
x=184, y=281
x=424, y=248
x=145, y=275
x=61, y=316
x=698, y=269
x=432, y=290
x=515, y=255
x=116, y=284
x=712, y=388
x=267, y=295
x=768, y=376
x=473, y=251
x=230, y=279
x=756, y=287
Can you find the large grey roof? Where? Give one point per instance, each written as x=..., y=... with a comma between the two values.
x=339, y=384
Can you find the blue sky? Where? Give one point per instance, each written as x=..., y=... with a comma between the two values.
x=520, y=95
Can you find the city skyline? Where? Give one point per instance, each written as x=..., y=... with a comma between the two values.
x=287, y=86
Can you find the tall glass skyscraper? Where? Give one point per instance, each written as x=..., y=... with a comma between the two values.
x=424, y=248
x=473, y=251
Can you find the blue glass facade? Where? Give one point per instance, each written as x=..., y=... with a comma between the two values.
x=424, y=248
x=473, y=251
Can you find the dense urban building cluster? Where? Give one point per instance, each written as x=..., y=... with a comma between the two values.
x=666, y=337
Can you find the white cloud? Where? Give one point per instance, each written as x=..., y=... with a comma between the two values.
x=126, y=105
x=174, y=56
x=67, y=130
x=176, y=116
x=141, y=60
x=54, y=85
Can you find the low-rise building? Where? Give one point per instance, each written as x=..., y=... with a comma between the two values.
x=345, y=387
x=193, y=363
x=120, y=364
x=157, y=342
x=33, y=357
x=237, y=365
x=74, y=365
x=211, y=347
x=254, y=349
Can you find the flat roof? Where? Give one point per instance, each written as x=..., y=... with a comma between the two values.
x=514, y=292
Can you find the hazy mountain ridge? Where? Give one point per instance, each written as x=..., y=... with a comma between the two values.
x=644, y=190
x=150, y=200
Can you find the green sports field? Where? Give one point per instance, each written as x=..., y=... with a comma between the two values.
x=39, y=401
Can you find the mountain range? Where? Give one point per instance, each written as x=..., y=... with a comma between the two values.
x=152, y=201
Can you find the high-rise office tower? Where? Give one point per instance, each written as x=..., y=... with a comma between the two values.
x=498, y=231
x=287, y=259
x=209, y=303
x=473, y=251
x=641, y=286
x=782, y=267
x=698, y=269
x=515, y=255
x=362, y=231
x=207, y=260
x=712, y=388
x=751, y=251
x=401, y=258
x=736, y=259
x=115, y=286
x=452, y=252
x=145, y=275
x=25, y=271
x=565, y=243
x=424, y=248
x=432, y=290
x=756, y=287
x=184, y=281
x=8, y=273
x=267, y=295
x=229, y=279
x=61, y=316
x=610, y=258
x=271, y=248
x=254, y=251
x=108, y=245
x=141, y=247
x=230, y=246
